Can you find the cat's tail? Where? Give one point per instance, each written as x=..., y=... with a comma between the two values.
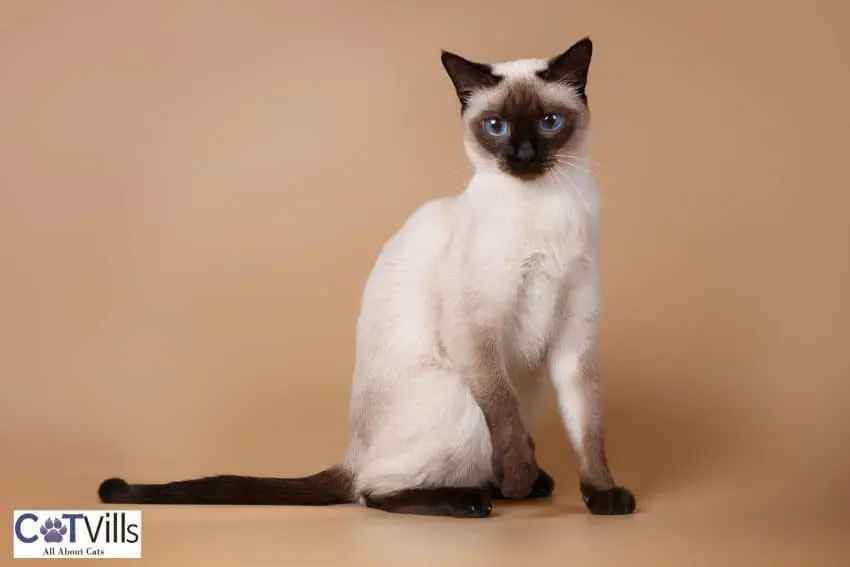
x=328, y=487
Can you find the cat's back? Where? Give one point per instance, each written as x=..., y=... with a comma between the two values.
x=424, y=232
x=398, y=299
x=414, y=246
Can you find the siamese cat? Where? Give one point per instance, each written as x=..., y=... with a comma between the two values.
x=478, y=303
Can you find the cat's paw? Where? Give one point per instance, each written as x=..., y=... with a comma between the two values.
x=616, y=501
x=543, y=487
x=53, y=530
x=473, y=505
x=515, y=469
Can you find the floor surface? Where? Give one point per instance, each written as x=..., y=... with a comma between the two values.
x=715, y=525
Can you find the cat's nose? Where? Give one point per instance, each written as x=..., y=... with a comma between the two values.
x=525, y=152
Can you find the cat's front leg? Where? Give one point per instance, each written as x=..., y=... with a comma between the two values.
x=480, y=359
x=574, y=372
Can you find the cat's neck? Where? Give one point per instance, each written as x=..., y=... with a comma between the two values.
x=567, y=182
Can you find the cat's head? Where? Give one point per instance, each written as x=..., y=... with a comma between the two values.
x=523, y=117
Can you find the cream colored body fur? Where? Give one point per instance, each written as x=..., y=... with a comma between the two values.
x=520, y=255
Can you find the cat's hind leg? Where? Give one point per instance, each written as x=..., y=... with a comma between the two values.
x=431, y=454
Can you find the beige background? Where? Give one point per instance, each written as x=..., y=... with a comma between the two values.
x=192, y=194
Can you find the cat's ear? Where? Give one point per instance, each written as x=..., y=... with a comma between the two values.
x=467, y=76
x=571, y=67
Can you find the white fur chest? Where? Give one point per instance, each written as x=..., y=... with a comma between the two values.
x=553, y=240
x=524, y=242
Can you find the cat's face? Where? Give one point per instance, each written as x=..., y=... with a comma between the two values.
x=523, y=117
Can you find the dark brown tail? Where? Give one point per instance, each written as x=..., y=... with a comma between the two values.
x=328, y=487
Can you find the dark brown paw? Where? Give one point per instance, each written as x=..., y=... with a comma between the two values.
x=543, y=487
x=515, y=479
x=515, y=468
x=474, y=505
x=457, y=502
x=615, y=501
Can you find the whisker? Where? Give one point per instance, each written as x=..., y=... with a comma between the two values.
x=578, y=163
x=593, y=163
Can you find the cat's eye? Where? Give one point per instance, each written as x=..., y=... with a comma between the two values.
x=551, y=123
x=495, y=127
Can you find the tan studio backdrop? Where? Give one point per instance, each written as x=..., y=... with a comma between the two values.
x=192, y=194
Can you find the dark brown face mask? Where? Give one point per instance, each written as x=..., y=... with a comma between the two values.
x=524, y=134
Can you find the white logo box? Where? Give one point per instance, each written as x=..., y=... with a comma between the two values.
x=77, y=534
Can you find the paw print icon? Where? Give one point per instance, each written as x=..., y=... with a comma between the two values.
x=53, y=530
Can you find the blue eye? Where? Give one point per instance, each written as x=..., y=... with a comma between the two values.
x=551, y=123
x=496, y=127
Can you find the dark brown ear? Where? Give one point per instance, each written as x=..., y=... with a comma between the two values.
x=467, y=76
x=571, y=66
